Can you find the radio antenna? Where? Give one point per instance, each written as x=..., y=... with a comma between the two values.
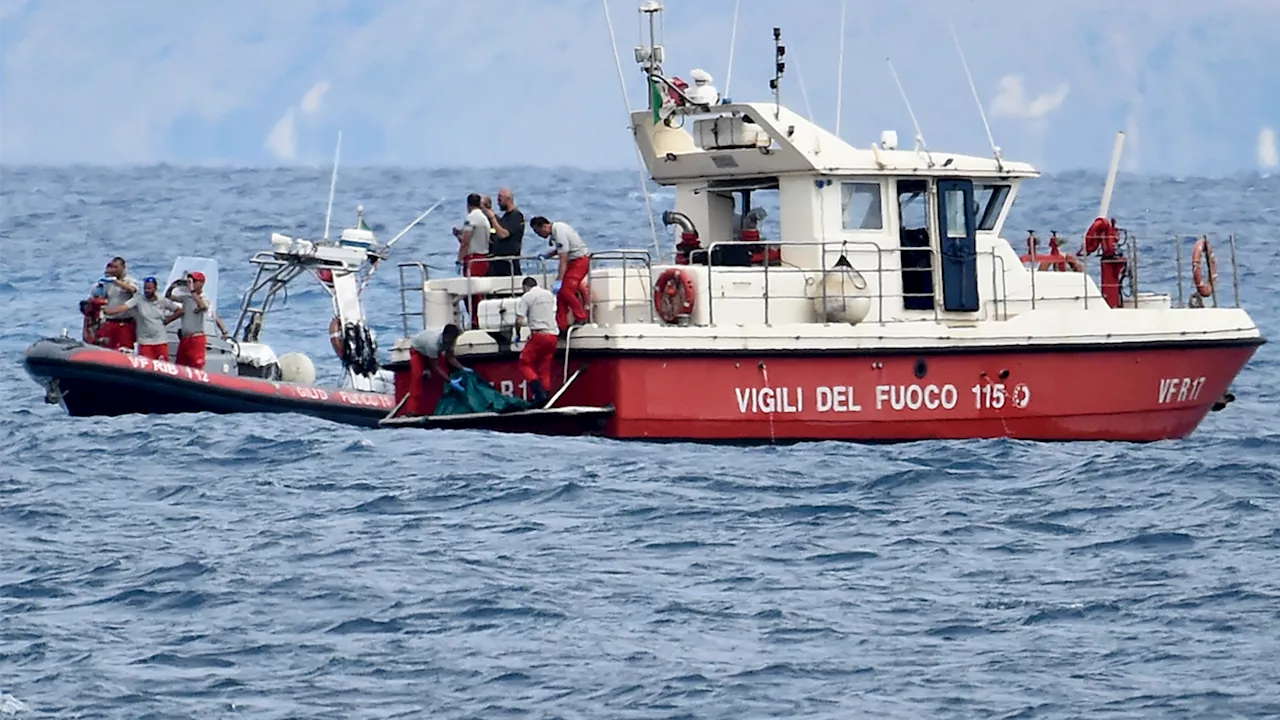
x=995, y=149
x=840, y=69
x=920, y=145
x=733, y=43
x=333, y=185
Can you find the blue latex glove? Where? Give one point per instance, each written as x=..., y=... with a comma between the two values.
x=555, y=289
x=456, y=384
x=458, y=266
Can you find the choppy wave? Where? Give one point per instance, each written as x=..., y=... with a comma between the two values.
x=280, y=566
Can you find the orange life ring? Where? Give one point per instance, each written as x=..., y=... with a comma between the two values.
x=335, y=336
x=1199, y=253
x=673, y=294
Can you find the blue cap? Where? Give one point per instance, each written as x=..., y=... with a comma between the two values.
x=149, y=279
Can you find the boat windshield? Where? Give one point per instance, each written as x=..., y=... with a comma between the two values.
x=990, y=200
x=187, y=263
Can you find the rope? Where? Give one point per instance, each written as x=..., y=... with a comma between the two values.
x=773, y=439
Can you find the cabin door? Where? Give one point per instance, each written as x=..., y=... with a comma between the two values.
x=957, y=246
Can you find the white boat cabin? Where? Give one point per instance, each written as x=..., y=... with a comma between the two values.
x=777, y=203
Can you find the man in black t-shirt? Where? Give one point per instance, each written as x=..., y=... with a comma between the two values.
x=508, y=236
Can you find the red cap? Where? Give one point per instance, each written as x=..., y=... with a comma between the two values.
x=196, y=275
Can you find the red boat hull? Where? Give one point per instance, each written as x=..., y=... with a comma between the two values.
x=1133, y=393
x=91, y=381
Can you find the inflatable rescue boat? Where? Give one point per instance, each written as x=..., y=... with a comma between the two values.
x=87, y=380
x=241, y=373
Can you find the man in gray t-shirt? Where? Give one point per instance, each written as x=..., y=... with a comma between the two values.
x=118, y=328
x=191, y=339
x=149, y=312
x=571, y=277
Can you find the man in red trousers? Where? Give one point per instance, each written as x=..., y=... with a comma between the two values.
x=473, y=249
x=149, y=311
x=575, y=261
x=193, y=307
x=537, y=311
x=118, y=329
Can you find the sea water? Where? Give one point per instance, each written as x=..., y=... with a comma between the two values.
x=281, y=566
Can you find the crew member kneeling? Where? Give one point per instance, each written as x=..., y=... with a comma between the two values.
x=575, y=262
x=436, y=344
x=537, y=310
x=149, y=312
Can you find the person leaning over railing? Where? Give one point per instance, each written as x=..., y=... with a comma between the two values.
x=575, y=263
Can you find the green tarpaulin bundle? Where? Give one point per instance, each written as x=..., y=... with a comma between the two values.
x=477, y=396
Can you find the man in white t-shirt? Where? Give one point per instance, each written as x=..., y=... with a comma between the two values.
x=473, y=248
x=537, y=311
x=575, y=262
x=436, y=344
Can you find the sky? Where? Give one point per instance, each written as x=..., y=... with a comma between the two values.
x=485, y=83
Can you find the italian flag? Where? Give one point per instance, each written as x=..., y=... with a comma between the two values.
x=655, y=98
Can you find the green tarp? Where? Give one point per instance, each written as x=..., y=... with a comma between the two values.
x=477, y=396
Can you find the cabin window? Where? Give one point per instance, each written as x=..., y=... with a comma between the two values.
x=989, y=200
x=860, y=206
x=954, y=204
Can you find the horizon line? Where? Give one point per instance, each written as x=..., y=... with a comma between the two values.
x=267, y=166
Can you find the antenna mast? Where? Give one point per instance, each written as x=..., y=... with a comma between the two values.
x=840, y=69
x=649, y=56
x=646, y=56
x=995, y=149
x=733, y=43
x=920, y=145
x=775, y=84
x=333, y=185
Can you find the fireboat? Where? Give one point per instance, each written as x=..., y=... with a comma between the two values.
x=887, y=306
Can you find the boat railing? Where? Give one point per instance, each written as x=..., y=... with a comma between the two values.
x=639, y=261
x=415, y=276
x=1034, y=270
x=419, y=285
x=273, y=275
x=1131, y=286
x=993, y=307
x=1195, y=298
x=544, y=273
